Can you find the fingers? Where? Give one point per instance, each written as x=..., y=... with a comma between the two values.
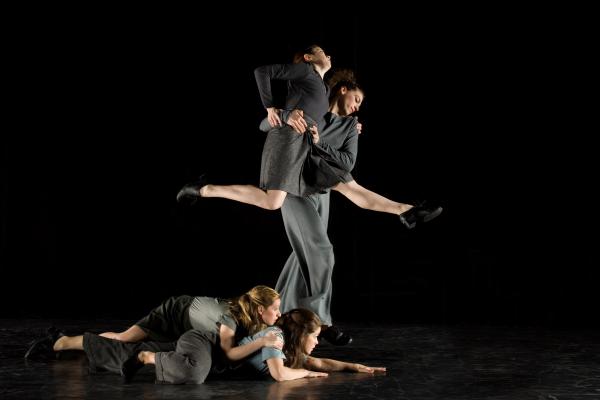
x=274, y=120
x=278, y=344
x=315, y=133
x=296, y=121
x=273, y=117
x=370, y=370
x=299, y=124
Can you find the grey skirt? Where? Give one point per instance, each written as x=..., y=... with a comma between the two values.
x=293, y=164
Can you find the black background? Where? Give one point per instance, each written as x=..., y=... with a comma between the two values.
x=110, y=116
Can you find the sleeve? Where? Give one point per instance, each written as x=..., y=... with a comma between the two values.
x=265, y=74
x=228, y=321
x=272, y=352
x=345, y=156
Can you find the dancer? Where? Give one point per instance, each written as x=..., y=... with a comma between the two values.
x=292, y=161
x=286, y=145
x=305, y=280
x=299, y=329
x=194, y=326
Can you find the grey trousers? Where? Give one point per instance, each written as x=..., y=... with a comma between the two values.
x=305, y=280
x=188, y=360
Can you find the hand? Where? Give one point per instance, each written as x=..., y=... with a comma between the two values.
x=368, y=370
x=272, y=340
x=314, y=131
x=273, y=117
x=315, y=374
x=296, y=121
x=359, y=127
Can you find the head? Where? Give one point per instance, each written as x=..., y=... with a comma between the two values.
x=316, y=56
x=346, y=95
x=257, y=308
x=301, y=328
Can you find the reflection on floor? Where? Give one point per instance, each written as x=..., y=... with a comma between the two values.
x=423, y=362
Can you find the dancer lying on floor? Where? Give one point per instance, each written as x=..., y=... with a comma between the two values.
x=200, y=334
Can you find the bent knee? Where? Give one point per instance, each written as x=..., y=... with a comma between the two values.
x=197, y=375
x=274, y=204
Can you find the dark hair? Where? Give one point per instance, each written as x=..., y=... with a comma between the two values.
x=299, y=55
x=296, y=324
x=342, y=78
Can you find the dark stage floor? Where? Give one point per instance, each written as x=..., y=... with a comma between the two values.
x=423, y=362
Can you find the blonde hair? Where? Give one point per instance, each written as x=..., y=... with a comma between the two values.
x=245, y=307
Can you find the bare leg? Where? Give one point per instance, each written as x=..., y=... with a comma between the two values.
x=364, y=198
x=133, y=334
x=147, y=357
x=269, y=200
x=69, y=343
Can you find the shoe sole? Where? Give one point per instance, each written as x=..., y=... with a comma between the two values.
x=433, y=215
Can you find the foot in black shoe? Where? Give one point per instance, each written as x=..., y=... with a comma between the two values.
x=130, y=367
x=190, y=193
x=419, y=214
x=335, y=336
x=43, y=347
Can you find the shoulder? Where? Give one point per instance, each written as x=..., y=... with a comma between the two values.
x=270, y=330
x=276, y=330
x=348, y=124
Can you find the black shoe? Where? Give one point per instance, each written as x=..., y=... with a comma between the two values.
x=130, y=367
x=335, y=336
x=190, y=193
x=419, y=214
x=43, y=348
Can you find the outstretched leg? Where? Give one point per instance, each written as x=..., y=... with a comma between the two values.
x=133, y=334
x=409, y=214
x=269, y=199
x=364, y=198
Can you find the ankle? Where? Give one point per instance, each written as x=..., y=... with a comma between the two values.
x=59, y=344
x=203, y=192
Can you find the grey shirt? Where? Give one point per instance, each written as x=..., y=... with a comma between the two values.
x=208, y=313
x=258, y=359
x=306, y=89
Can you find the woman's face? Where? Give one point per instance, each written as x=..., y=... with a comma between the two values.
x=318, y=57
x=311, y=341
x=270, y=314
x=349, y=101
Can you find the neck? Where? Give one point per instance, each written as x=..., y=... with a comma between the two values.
x=334, y=109
x=320, y=70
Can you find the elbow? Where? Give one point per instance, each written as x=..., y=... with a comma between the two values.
x=229, y=356
x=277, y=375
x=351, y=162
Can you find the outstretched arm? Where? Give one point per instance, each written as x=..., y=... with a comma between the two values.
x=329, y=365
x=280, y=372
x=234, y=353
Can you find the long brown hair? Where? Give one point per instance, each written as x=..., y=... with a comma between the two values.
x=296, y=324
x=245, y=307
